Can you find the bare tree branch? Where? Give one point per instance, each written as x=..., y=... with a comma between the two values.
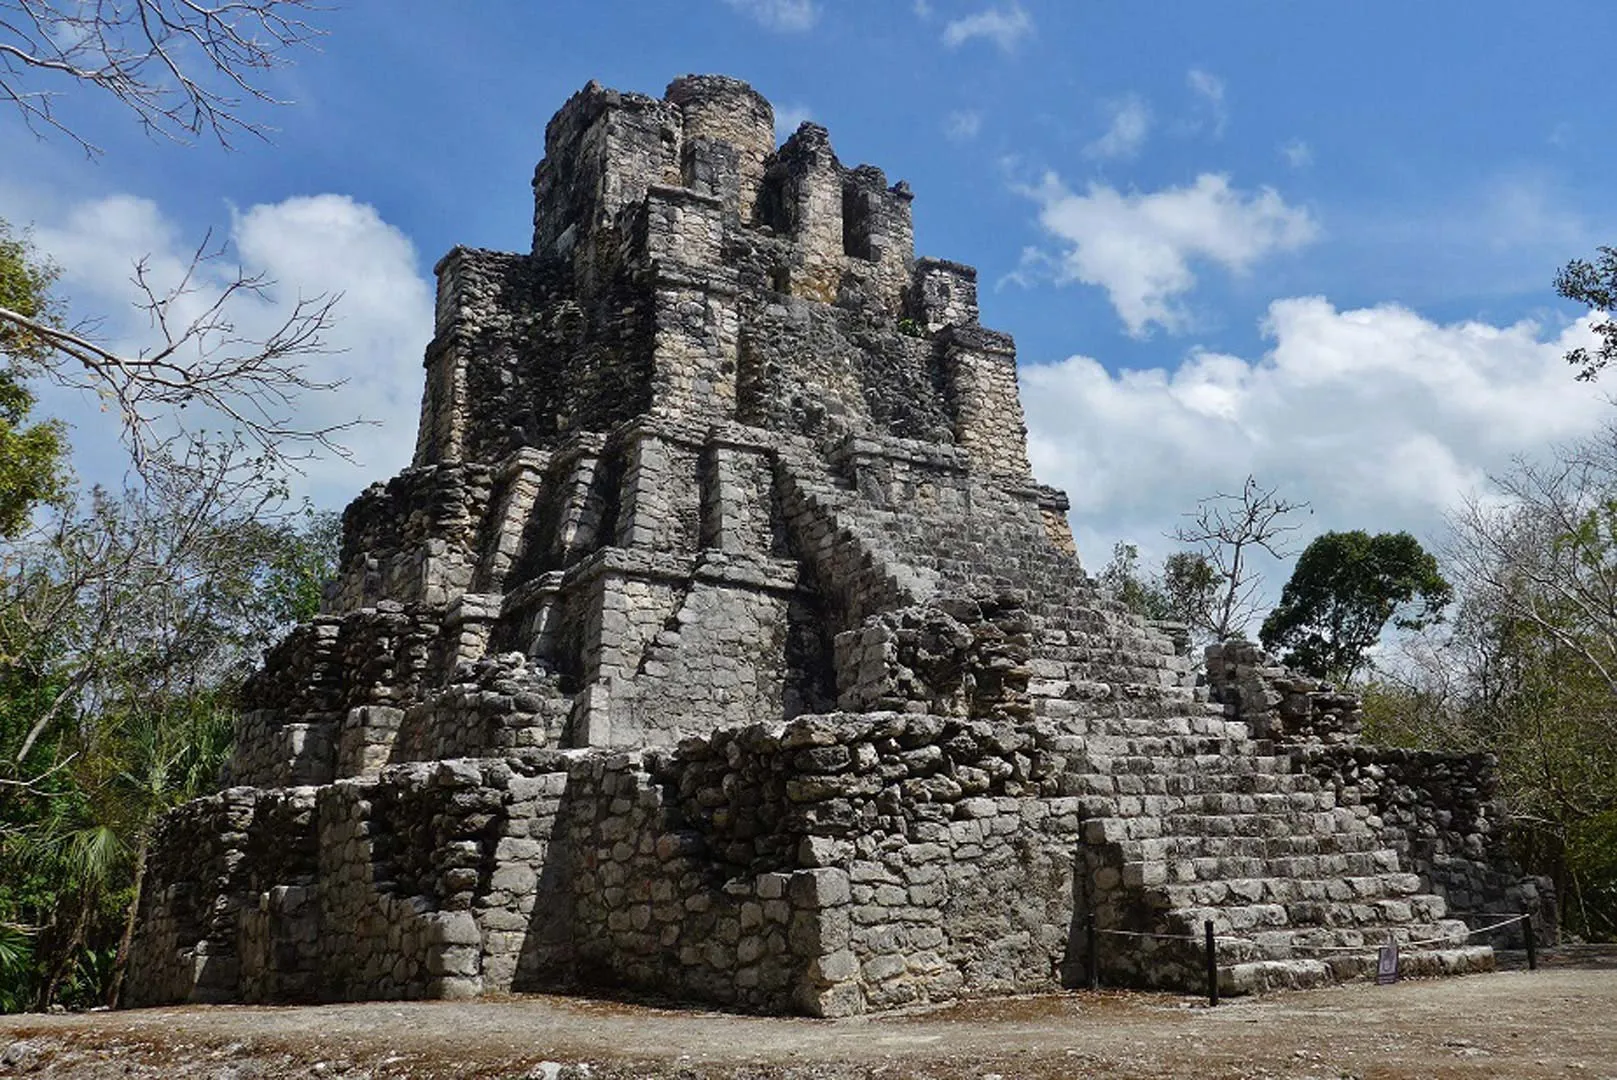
x=183, y=67
x=200, y=362
x=1226, y=527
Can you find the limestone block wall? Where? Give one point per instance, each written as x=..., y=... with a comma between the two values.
x=415, y=539
x=197, y=881
x=1280, y=704
x=493, y=706
x=602, y=150
x=943, y=293
x=936, y=856
x=959, y=657
x=493, y=311
x=278, y=927
x=315, y=687
x=981, y=369
x=1439, y=811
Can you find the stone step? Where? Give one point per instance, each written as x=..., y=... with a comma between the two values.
x=1139, y=715
x=1409, y=918
x=1309, y=823
x=1342, y=821
x=1297, y=856
x=1164, y=745
x=1203, y=764
x=1300, y=974
x=1263, y=776
x=1266, y=889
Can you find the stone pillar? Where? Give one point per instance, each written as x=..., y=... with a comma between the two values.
x=729, y=131
x=980, y=366
x=697, y=325
x=737, y=489
x=876, y=228
x=943, y=293
x=441, y=435
x=808, y=202
x=602, y=151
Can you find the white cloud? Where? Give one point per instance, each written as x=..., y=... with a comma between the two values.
x=1380, y=418
x=307, y=245
x=1004, y=26
x=1210, y=89
x=1139, y=248
x=1297, y=154
x=1126, y=133
x=963, y=125
x=788, y=118
x=787, y=16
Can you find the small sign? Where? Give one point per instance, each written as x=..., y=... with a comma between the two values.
x=1387, y=965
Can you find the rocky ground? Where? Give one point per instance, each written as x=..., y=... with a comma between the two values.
x=1559, y=1021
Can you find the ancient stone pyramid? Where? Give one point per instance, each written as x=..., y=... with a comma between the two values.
x=719, y=642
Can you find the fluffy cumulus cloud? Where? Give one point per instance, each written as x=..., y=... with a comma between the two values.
x=1140, y=247
x=1004, y=26
x=787, y=16
x=306, y=246
x=1379, y=417
x=1129, y=124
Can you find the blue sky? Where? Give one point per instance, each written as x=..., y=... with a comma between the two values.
x=1312, y=242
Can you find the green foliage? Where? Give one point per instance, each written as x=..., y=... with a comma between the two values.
x=1593, y=284
x=1344, y=590
x=302, y=562
x=1190, y=585
x=32, y=470
x=1123, y=580
x=125, y=629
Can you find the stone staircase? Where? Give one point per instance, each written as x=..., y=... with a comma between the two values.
x=1188, y=819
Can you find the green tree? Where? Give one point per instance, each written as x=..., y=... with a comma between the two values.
x=1536, y=566
x=31, y=465
x=1123, y=580
x=126, y=627
x=1593, y=284
x=1344, y=590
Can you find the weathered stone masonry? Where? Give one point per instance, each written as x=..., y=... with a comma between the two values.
x=720, y=642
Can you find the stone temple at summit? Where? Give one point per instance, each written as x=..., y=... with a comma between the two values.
x=720, y=643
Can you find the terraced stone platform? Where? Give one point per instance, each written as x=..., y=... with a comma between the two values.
x=720, y=642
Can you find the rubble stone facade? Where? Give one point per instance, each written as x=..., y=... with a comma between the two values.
x=720, y=642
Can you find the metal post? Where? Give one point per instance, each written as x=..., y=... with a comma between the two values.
x=1532, y=944
x=1092, y=956
x=1212, y=964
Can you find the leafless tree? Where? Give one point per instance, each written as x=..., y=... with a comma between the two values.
x=183, y=67
x=200, y=369
x=1225, y=528
x=119, y=591
x=1543, y=550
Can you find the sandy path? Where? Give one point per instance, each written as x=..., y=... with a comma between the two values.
x=1557, y=1022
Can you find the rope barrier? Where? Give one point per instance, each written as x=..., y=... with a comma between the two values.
x=1367, y=947
x=1209, y=940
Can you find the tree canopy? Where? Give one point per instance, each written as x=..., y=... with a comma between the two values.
x=1344, y=590
x=31, y=452
x=1593, y=284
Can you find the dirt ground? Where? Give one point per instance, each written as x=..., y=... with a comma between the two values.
x=1559, y=1021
